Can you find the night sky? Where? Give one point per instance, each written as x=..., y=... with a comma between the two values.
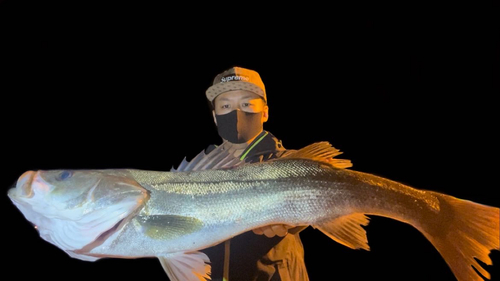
x=408, y=95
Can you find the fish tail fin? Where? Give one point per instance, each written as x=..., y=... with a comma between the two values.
x=464, y=232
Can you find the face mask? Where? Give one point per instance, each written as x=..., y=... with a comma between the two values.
x=238, y=126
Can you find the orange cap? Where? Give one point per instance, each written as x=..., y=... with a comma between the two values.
x=236, y=78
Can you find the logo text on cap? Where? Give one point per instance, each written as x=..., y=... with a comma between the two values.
x=234, y=78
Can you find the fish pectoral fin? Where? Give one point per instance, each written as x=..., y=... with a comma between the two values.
x=188, y=266
x=167, y=227
x=347, y=230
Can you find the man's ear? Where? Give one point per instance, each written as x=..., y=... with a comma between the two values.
x=265, y=114
x=215, y=119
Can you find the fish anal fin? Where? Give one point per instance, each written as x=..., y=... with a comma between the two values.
x=187, y=266
x=321, y=151
x=347, y=230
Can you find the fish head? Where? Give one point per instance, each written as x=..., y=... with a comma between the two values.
x=73, y=209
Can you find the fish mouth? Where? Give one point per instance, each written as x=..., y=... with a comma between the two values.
x=22, y=187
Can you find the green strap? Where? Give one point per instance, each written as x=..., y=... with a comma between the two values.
x=253, y=145
x=225, y=274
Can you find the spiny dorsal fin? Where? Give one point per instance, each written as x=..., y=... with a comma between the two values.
x=216, y=159
x=323, y=152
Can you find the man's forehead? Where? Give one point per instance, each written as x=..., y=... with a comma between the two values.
x=237, y=94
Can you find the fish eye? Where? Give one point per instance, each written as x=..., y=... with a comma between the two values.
x=64, y=175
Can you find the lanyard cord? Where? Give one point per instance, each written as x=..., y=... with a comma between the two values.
x=252, y=146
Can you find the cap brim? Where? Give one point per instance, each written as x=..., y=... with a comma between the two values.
x=217, y=89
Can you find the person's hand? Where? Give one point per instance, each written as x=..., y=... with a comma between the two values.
x=273, y=230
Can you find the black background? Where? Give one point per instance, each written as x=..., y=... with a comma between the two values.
x=407, y=92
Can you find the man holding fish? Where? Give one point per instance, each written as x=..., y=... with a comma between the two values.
x=239, y=102
x=182, y=216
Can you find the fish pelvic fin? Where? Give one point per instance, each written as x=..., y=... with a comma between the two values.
x=464, y=232
x=347, y=230
x=321, y=151
x=187, y=266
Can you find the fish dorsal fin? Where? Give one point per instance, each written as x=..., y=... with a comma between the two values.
x=323, y=152
x=347, y=230
x=216, y=159
x=188, y=266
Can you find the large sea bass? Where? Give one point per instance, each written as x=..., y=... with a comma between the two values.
x=93, y=214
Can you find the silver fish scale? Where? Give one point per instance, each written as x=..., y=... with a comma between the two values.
x=223, y=216
x=231, y=201
x=297, y=191
x=288, y=169
x=311, y=184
